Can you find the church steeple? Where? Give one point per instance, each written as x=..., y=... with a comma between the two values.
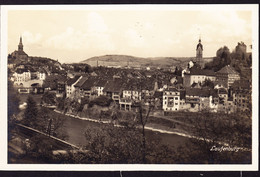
x=20, y=46
x=199, y=52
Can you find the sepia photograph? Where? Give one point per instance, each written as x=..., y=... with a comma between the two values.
x=161, y=86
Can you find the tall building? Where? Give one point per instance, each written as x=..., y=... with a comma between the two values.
x=199, y=53
x=20, y=54
x=20, y=46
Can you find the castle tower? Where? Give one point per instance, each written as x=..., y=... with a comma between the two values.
x=20, y=46
x=199, y=52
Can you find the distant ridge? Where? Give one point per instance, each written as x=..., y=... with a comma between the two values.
x=126, y=60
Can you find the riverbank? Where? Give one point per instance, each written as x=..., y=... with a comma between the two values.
x=149, y=126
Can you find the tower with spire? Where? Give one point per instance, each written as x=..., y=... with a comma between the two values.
x=20, y=46
x=19, y=54
x=199, y=52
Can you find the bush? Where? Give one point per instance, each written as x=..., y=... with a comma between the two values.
x=100, y=101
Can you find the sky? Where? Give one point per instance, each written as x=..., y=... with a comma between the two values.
x=73, y=35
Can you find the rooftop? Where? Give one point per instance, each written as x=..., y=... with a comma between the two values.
x=227, y=70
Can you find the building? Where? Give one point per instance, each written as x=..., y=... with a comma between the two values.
x=242, y=95
x=78, y=92
x=171, y=100
x=99, y=86
x=41, y=74
x=20, y=54
x=199, y=53
x=70, y=89
x=199, y=99
x=199, y=76
x=113, y=88
x=227, y=75
x=21, y=75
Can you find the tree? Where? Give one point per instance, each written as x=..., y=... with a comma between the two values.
x=214, y=131
x=31, y=112
x=109, y=144
x=52, y=125
x=13, y=101
x=100, y=101
x=208, y=83
x=52, y=80
x=222, y=59
x=143, y=115
x=49, y=98
x=13, y=108
x=87, y=68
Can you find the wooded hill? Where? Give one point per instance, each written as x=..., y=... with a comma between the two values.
x=131, y=61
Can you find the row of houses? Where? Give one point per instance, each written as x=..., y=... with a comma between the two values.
x=227, y=95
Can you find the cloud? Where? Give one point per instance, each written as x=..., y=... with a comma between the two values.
x=69, y=39
x=134, y=38
x=30, y=38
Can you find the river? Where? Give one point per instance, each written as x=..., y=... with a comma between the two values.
x=75, y=129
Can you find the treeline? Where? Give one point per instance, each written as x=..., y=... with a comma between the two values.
x=237, y=58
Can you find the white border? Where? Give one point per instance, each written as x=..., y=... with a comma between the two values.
x=64, y=167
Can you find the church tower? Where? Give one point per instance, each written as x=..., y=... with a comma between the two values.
x=199, y=52
x=20, y=46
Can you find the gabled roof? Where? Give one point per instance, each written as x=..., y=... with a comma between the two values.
x=81, y=82
x=73, y=80
x=100, y=82
x=203, y=92
x=198, y=71
x=114, y=85
x=227, y=70
x=20, y=52
x=172, y=89
x=241, y=84
x=89, y=83
x=222, y=91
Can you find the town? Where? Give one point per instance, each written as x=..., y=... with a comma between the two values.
x=174, y=98
x=193, y=88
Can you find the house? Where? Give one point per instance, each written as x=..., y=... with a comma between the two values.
x=242, y=95
x=171, y=100
x=88, y=87
x=61, y=88
x=113, y=88
x=197, y=75
x=201, y=98
x=41, y=74
x=227, y=75
x=70, y=89
x=21, y=75
x=99, y=86
x=125, y=103
x=223, y=99
x=78, y=92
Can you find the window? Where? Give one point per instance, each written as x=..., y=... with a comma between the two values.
x=176, y=103
x=176, y=98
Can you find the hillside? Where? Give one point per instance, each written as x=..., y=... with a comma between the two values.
x=125, y=60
